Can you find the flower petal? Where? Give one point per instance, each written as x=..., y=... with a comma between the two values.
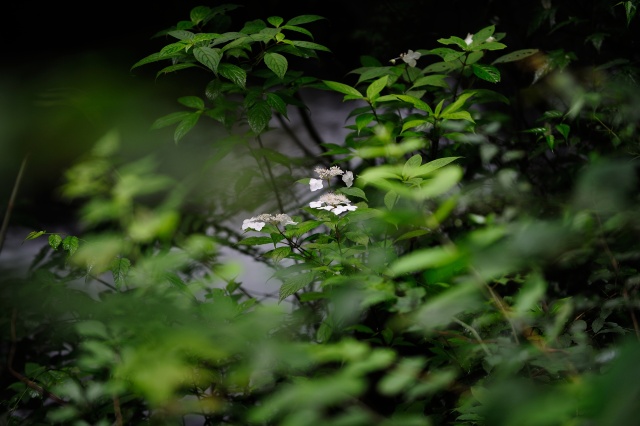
x=315, y=184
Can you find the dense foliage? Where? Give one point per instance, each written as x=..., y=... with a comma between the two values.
x=466, y=255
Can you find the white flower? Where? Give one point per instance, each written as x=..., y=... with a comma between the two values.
x=328, y=173
x=490, y=39
x=252, y=223
x=315, y=184
x=469, y=39
x=335, y=203
x=258, y=222
x=347, y=178
x=410, y=57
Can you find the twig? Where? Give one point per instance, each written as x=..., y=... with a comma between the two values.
x=12, y=200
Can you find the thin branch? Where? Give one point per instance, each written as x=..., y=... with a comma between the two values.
x=12, y=200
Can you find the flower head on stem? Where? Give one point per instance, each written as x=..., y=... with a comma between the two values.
x=258, y=222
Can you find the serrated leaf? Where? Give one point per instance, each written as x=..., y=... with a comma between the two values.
x=234, y=73
x=186, y=125
x=431, y=166
x=276, y=102
x=259, y=116
x=70, y=244
x=515, y=56
x=276, y=63
x=458, y=103
x=294, y=284
x=278, y=253
x=119, y=269
x=54, y=241
x=181, y=34
x=209, y=57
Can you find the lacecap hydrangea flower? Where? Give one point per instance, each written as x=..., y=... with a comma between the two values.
x=335, y=203
x=469, y=39
x=327, y=174
x=258, y=222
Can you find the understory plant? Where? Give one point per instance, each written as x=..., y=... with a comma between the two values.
x=460, y=258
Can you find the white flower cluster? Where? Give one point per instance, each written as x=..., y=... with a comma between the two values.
x=327, y=174
x=258, y=222
x=335, y=203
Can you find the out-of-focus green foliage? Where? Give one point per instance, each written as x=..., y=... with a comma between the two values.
x=467, y=255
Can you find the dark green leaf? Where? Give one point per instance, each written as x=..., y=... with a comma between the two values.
x=293, y=284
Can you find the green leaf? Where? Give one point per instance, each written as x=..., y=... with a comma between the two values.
x=420, y=260
x=173, y=68
x=563, y=129
x=376, y=87
x=192, y=102
x=429, y=167
x=309, y=45
x=304, y=19
x=486, y=72
x=181, y=34
x=186, y=125
x=303, y=227
x=418, y=103
x=342, y=88
x=442, y=67
x=354, y=192
x=169, y=119
x=34, y=234
x=70, y=244
x=54, y=241
x=234, y=73
x=294, y=284
x=154, y=57
x=255, y=241
x=199, y=14
x=278, y=253
x=276, y=103
x=515, y=56
x=431, y=80
x=209, y=57
x=390, y=199
x=258, y=116
x=276, y=63
x=363, y=120
x=458, y=103
x=119, y=269
x=276, y=21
